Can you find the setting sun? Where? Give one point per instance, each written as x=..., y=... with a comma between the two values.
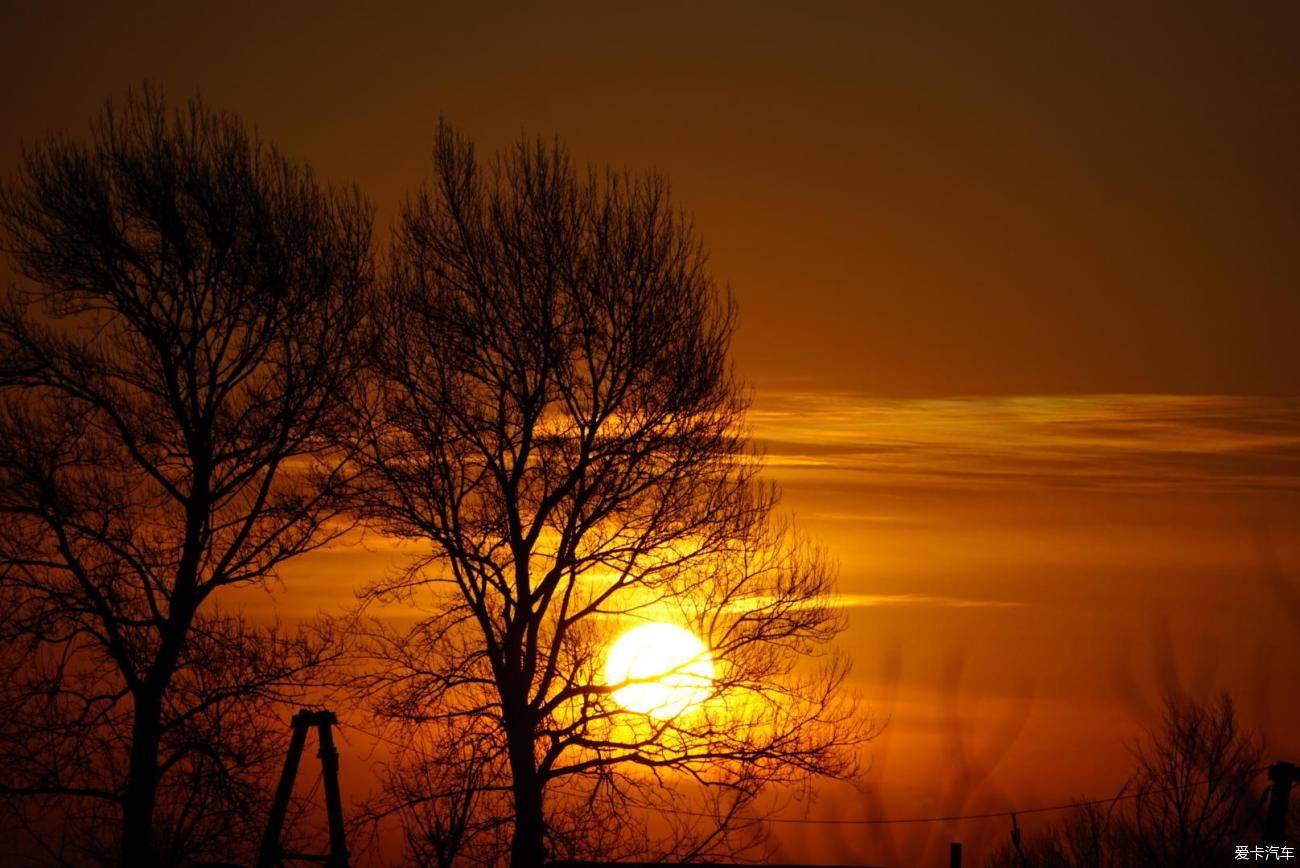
x=679, y=663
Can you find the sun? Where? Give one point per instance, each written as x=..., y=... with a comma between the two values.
x=678, y=662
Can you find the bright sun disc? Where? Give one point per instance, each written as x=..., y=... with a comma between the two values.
x=679, y=663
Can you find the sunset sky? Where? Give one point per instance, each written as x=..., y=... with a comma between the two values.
x=1019, y=294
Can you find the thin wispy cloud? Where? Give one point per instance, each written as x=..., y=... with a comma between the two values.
x=933, y=601
x=1128, y=442
x=873, y=601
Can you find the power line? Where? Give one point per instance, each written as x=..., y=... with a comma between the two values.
x=885, y=821
x=889, y=821
x=989, y=815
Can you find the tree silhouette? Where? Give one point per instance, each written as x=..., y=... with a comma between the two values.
x=172, y=370
x=1195, y=794
x=1191, y=800
x=553, y=419
x=441, y=788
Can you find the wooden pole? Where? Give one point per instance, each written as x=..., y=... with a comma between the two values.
x=329, y=761
x=269, y=854
x=1283, y=775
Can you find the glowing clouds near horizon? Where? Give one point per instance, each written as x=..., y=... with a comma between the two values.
x=672, y=667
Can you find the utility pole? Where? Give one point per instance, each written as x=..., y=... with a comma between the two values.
x=1283, y=775
x=270, y=855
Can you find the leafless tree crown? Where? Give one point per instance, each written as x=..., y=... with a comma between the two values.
x=553, y=419
x=1192, y=799
x=172, y=367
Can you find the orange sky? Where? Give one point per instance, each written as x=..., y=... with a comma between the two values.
x=934, y=219
x=1028, y=574
x=1024, y=577
x=908, y=199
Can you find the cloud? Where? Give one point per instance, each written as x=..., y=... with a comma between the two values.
x=1112, y=442
x=872, y=601
x=936, y=601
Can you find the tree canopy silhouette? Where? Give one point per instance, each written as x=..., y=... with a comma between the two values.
x=1192, y=799
x=172, y=367
x=554, y=421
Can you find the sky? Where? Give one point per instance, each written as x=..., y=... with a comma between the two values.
x=1018, y=290
x=908, y=199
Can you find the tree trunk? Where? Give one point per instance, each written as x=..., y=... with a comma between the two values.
x=142, y=782
x=143, y=776
x=528, y=847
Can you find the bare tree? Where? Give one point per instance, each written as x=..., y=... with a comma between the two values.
x=1195, y=787
x=555, y=422
x=1191, y=800
x=1087, y=837
x=439, y=794
x=173, y=369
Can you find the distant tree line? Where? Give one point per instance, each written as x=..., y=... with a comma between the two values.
x=1193, y=798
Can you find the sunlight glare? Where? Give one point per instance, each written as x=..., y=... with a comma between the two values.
x=679, y=663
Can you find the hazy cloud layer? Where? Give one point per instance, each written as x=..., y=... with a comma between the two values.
x=1113, y=442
